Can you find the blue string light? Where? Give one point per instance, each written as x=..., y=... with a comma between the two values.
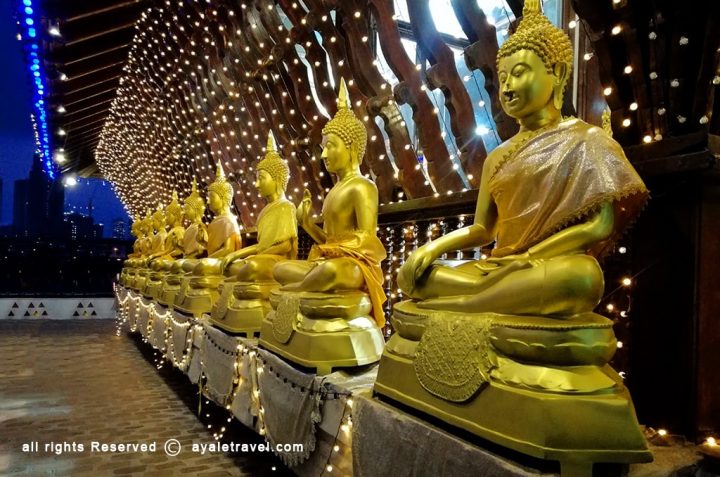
x=29, y=19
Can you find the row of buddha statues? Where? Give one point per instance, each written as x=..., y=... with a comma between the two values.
x=506, y=347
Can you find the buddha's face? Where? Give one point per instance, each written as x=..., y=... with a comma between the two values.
x=265, y=184
x=336, y=154
x=215, y=202
x=526, y=87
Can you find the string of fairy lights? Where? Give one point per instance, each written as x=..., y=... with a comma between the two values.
x=145, y=318
x=193, y=93
x=162, y=133
x=30, y=34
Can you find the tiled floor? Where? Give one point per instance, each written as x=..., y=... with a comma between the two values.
x=78, y=382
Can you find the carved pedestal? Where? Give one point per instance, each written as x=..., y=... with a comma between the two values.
x=473, y=372
x=242, y=306
x=198, y=294
x=138, y=283
x=153, y=285
x=170, y=288
x=322, y=331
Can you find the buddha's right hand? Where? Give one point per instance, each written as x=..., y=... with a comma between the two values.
x=303, y=210
x=414, y=267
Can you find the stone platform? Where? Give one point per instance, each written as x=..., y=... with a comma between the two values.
x=344, y=428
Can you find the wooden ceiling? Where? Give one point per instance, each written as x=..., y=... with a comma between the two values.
x=83, y=66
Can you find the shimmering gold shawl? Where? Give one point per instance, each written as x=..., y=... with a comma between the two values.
x=145, y=246
x=220, y=229
x=194, y=239
x=277, y=223
x=173, y=242
x=158, y=242
x=367, y=252
x=558, y=177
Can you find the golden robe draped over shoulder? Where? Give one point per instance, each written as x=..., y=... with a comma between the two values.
x=145, y=246
x=277, y=223
x=367, y=252
x=223, y=227
x=157, y=244
x=559, y=177
x=173, y=242
x=195, y=239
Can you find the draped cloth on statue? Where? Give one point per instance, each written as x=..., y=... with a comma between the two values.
x=194, y=237
x=157, y=244
x=145, y=246
x=277, y=223
x=222, y=228
x=174, y=241
x=556, y=178
x=367, y=252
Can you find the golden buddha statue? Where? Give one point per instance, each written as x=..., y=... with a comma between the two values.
x=158, y=240
x=194, y=246
x=200, y=286
x=157, y=246
x=517, y=329
x=243, y=301
x=127, y=264
x=322, y=313
x=161, y=262
x=144, y=244
x=135, y=232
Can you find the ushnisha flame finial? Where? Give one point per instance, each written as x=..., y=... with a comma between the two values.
x=270, y=143
x=532, y=6
x=345, y=124
x=219, y=172
x=343, y=100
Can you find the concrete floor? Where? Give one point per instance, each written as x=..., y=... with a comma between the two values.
x=75, y=381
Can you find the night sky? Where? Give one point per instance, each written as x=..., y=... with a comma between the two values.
x=16, y=138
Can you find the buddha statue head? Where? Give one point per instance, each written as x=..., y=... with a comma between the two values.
x=146, y=224
x=194, y=205
x=158, y=218
x=174, y=211
x=344, y=136
x=220, y=192
x=273, y=172
x=533, y=66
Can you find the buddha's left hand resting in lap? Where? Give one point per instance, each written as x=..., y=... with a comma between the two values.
x=276, y=224
x=223, y=231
